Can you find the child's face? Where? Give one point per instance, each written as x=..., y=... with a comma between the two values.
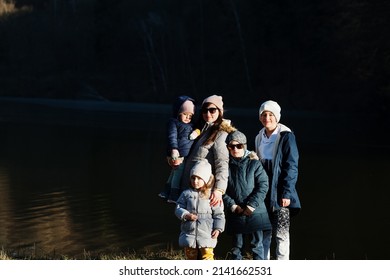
x=185, y=117
x=197, y=182
x=268, y=120
x=236, y=149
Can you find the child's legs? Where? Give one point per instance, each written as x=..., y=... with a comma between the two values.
x=282, y=234
x=176, y=176
x=267, y=236
x=206, y=253
x=191, y=253
x=177, y=173
x=257, y=245
x=238, y=245
x=168, y=184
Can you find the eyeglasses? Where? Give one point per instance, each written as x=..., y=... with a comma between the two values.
x=212, y=110
x=238, y=146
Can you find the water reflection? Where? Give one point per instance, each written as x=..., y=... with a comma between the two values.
x=73, y=189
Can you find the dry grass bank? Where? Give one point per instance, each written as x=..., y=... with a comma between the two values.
x=169, y=254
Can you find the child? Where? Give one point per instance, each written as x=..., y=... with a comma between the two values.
x=180, y=135
x=277, y=149
x=201, y=223
x=246, y=212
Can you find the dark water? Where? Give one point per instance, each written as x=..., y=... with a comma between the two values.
x=70, y=189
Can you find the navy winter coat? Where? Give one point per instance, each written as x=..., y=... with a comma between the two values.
x=178, y=132
x=247, y=185
x=285, y=170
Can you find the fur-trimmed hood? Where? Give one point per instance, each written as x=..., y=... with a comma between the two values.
x=226, y=125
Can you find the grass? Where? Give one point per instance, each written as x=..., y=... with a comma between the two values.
x=33, y=253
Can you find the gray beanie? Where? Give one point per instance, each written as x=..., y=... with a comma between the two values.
x=272, y=107
x=237, y=136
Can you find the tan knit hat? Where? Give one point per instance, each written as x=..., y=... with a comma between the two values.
x=216, y=100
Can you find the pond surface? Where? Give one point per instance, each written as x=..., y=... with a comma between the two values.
x=70, y=189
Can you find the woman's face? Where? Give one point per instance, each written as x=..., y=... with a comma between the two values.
x=236, y=149
x=268, y=120
x=210, y=113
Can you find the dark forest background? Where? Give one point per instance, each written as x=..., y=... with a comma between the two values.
x=331, y=56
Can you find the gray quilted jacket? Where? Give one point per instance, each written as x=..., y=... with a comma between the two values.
x=197, y=234
x=215, y=153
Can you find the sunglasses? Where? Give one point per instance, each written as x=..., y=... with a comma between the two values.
x=238, y=146
x=212, y=110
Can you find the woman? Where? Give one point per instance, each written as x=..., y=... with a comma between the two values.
x=277, y=149
x=211, y=146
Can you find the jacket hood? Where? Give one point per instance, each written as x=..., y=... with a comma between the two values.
x=282, y=128
x=227, y=126
x=178, y=102
x=247, y=154
x=224, y=126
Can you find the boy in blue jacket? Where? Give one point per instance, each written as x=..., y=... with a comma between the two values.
x=246, y=212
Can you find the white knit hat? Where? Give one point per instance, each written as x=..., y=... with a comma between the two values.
x=202, y=169
x=216, y=100
x=272, y=107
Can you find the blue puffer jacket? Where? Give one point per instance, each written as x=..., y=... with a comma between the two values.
x=247, y=185
x=177, y=131
x=285, y=170
x=197, y=234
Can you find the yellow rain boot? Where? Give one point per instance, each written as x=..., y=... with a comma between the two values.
x=207, y=253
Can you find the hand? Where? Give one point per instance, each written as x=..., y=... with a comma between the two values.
x=175, y=154
x=216, y=198
x=191, y=217
x=286, y=202
x=174, y=163
x=238, y=210
x=215, y=234
x=247, y=211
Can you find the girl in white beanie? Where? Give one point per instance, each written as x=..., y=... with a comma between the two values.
x=201, y=222
x=276, y=147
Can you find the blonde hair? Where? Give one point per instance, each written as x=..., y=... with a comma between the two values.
x=205, y=191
